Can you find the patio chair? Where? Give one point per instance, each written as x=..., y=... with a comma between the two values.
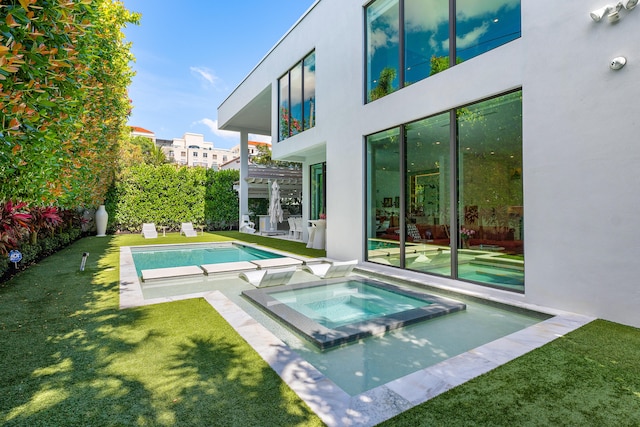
x=246, y=225
x=149, y=230
x=329, y=270
x=187, y=230
x=292, y=227
x=299, y=229
x=264, y=278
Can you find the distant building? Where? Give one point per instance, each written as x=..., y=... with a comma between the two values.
x=193, y=150
x=234, y=162
x=138, y=131
x=253, y=148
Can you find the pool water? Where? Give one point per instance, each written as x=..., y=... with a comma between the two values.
x=345, y=303
x=370, y=362
x=146, y=258
x=381, y=244
x=343, y=310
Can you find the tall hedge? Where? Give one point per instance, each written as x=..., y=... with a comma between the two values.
x=64, y=72
x=221, y=203
x=165, y=195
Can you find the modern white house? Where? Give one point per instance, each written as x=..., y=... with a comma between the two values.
x=486, y=146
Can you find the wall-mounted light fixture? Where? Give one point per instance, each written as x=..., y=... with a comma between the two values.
x=613, y=11
x=618, y=62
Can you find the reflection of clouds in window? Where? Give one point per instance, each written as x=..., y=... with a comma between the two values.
x=383, y=25
x=425, y=15
x=473, y=9
x=382, y=37
x=471, y=38
x=310, y=77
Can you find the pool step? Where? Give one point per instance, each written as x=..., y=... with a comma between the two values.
x=277, y=262
x=228, y=267
x=171, y=272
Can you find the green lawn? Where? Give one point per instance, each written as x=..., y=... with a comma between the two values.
x=69, y=356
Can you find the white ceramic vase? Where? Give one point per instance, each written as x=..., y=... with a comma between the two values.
x=101, y=221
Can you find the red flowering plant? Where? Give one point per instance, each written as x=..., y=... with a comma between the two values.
x=14, y=224
x=43, y=218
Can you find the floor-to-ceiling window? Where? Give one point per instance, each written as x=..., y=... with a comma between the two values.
x=490, y=193
x=428, y=193
x=468, y=160
x=410, y=40
x=384, y=182
x=318, y=173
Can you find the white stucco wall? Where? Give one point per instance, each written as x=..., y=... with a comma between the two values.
x=580, y=141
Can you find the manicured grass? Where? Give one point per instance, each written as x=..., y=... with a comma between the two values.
x=69, y=356
x=590, y=377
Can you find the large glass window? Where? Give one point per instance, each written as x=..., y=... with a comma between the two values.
x=410, y=40
x=318, y=190
x=383, y=197
x=490, y=199
x=428, y=195
x=309, y=91
x=283, y=122
x=295, y=97
x=296, y=93
x=383, y=48
x=485, y=25
x=426, y=35
x=411, y=189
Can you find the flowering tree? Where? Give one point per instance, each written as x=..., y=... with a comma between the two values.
x=64, y=72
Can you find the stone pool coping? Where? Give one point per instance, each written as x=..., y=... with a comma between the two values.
x=324, y=337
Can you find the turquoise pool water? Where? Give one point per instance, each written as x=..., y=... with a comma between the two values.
x=347, y=302
x=344, y=310
x=146, y=258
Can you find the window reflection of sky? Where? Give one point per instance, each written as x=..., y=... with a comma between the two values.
x=486, y=28
x=481, y=26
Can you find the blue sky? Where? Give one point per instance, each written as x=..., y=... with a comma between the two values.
x=191, y=54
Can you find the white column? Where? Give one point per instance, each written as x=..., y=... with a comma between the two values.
x=244, y=172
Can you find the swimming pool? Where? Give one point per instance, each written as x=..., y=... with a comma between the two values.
x=332, y=313
x=363, y=364
x=164, y=256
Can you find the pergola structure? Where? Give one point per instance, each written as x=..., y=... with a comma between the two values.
x=259, y=179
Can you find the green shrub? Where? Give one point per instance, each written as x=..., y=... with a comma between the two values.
x=221, y=202
x=166, y=195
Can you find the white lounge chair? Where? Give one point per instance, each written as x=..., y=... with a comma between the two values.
x=246, y=225
x=264, y=278
x=329, y=270
x=187, y=230
x=149, y=230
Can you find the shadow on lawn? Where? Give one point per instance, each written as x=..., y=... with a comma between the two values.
x=69, y=356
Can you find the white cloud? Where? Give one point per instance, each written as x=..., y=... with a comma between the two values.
x=207, y=75
x=213, y=127
x=471, y=38
x=471, y=9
